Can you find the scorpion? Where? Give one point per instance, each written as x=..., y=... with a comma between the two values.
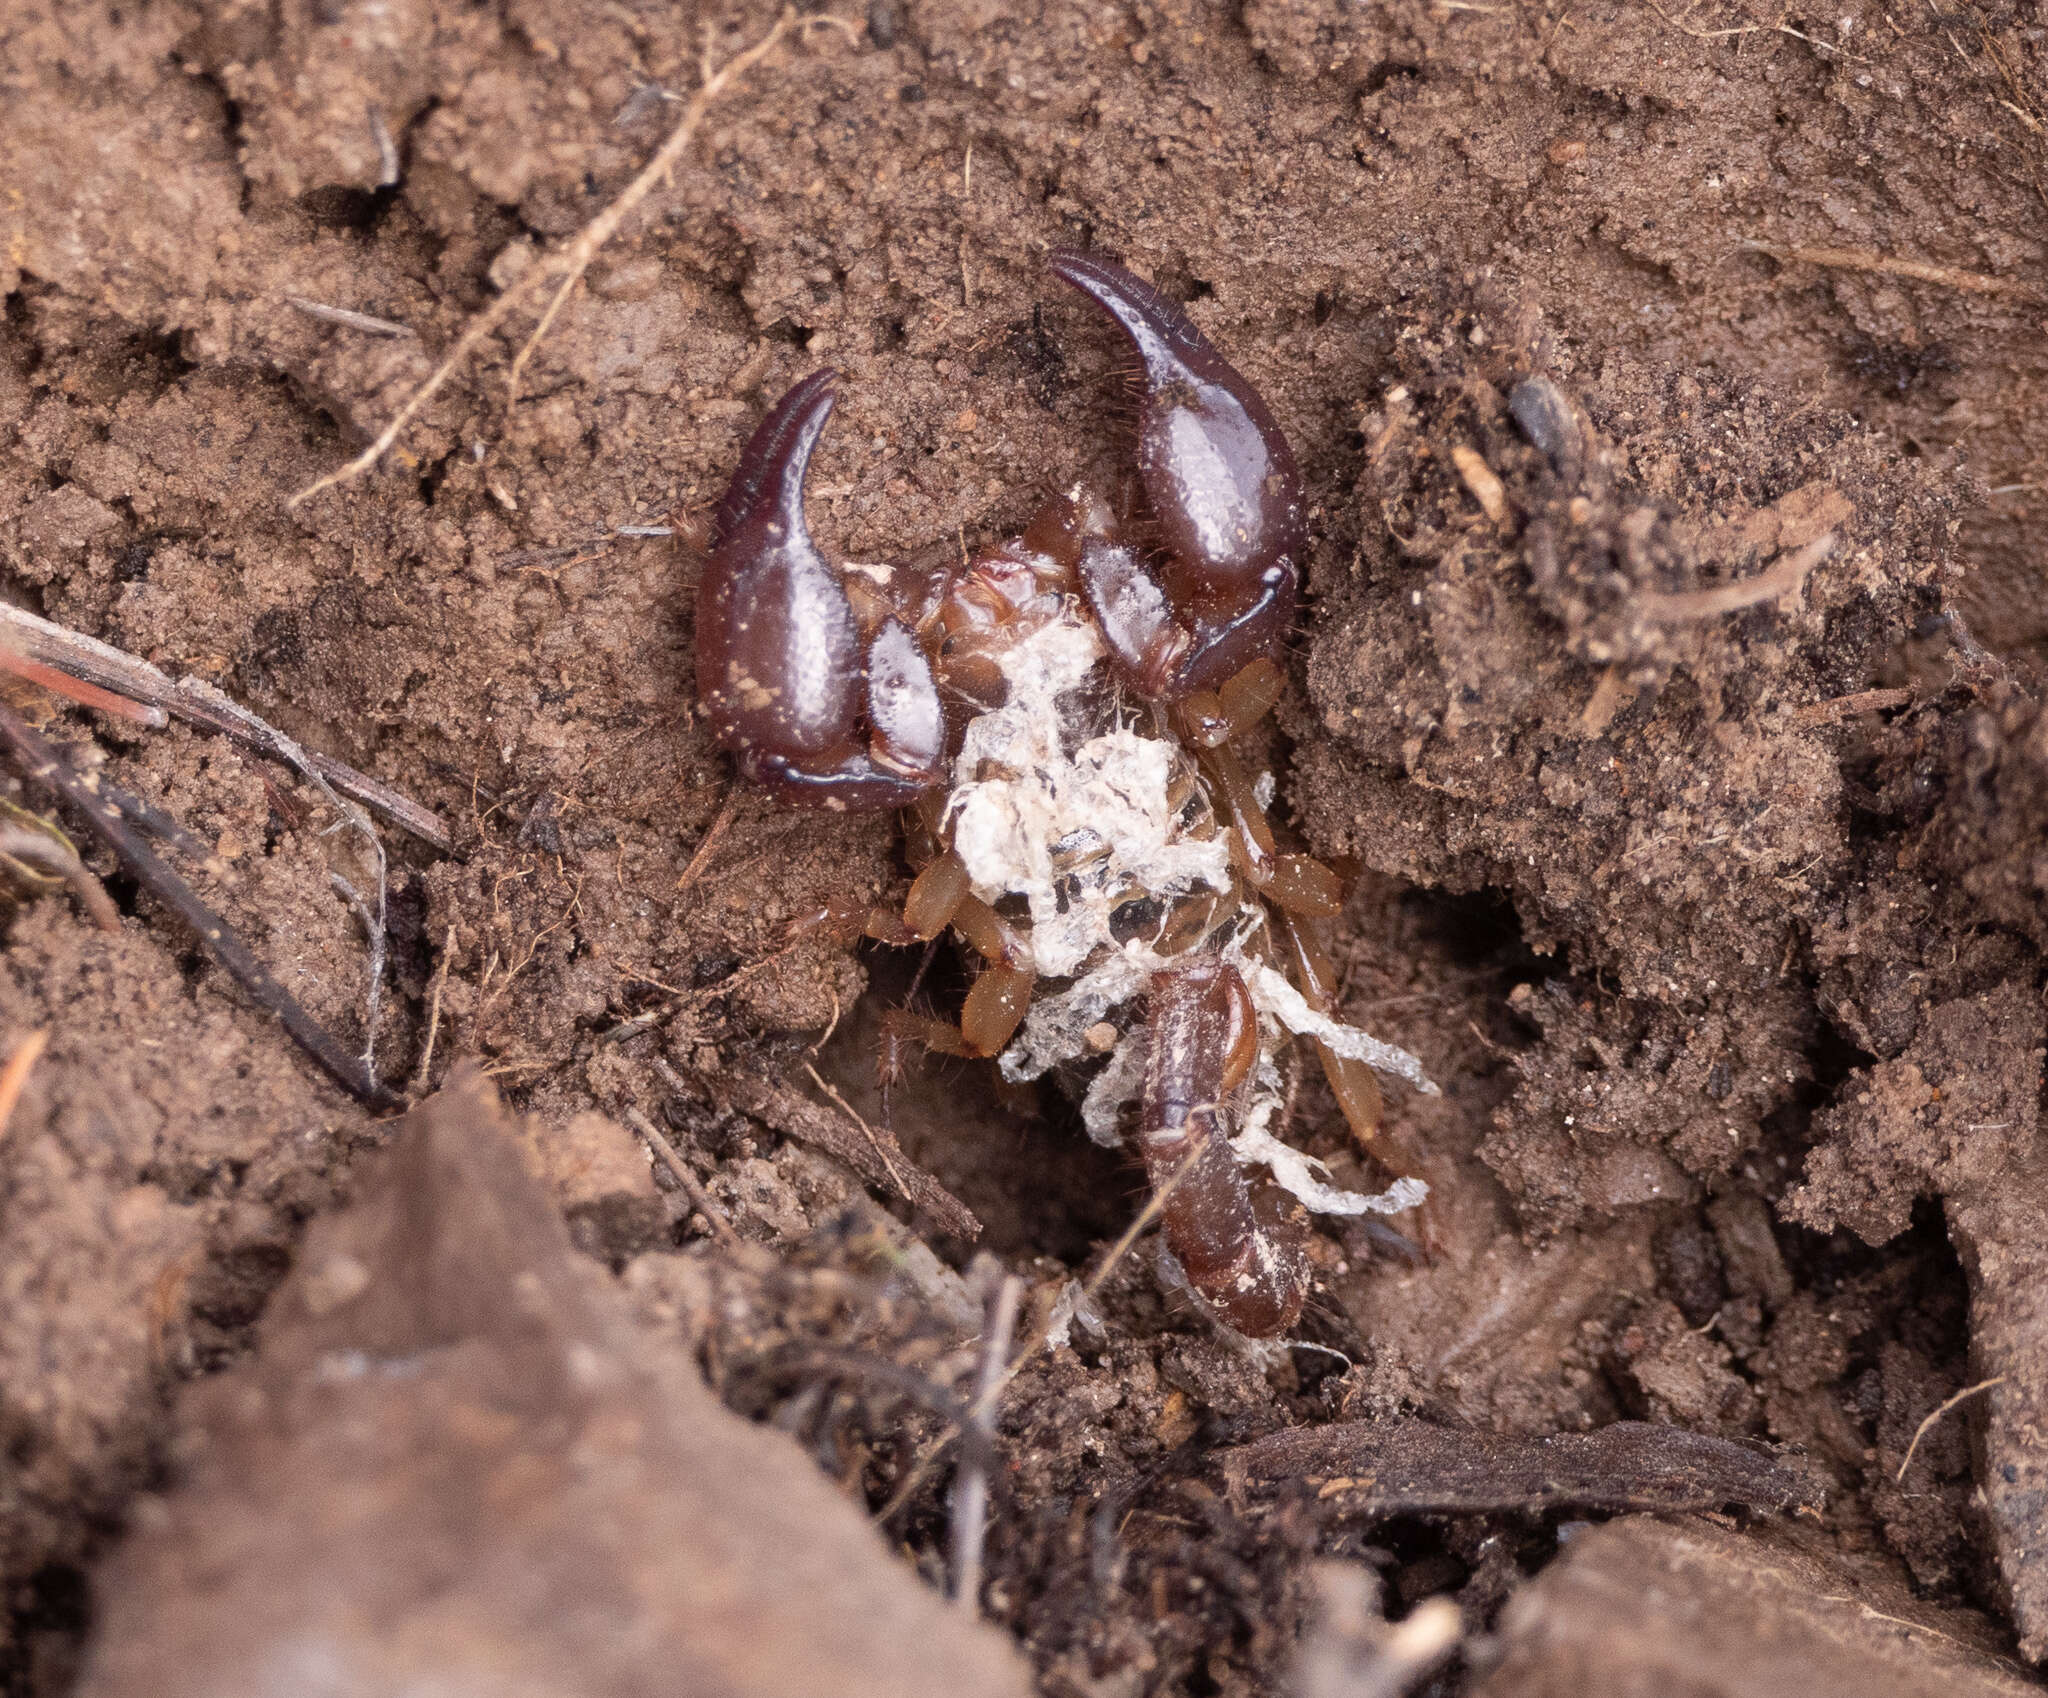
x=1063, y=721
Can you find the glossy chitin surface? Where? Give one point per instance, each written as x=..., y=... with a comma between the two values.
x=1203, y=1041
x=865, y=692
x=1223, y=494
x=783, y=675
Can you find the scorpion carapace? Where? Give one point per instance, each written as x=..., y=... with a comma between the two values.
x=1063, y=719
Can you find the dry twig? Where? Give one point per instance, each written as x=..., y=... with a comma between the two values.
x=796, y=1116
x=679, y=1170
x=45, y=766
x=1409, y=1466
x=1778, y=28
x=387, y=151
x=1883, y=265
x=76, y=689
x=89, y=661
x=970, y=1485
x=75, y=656
x=374, y=939
x=926, y=1462
x=1140, y=1224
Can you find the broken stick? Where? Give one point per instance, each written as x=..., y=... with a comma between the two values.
x=86, y=660
x=45, y=766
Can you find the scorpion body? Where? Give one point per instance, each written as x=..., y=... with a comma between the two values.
x=1062, y=720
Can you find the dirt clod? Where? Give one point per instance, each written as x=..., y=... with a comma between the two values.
x=453, y=1428
x=1760, y=1616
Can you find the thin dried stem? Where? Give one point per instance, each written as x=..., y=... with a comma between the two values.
x=90, y=661
x=1781, y=579
x=567, y=264
x=1140, y=1224
x=43, y=852
x=679, y=1170
x=387, y=151
x=15, y=1074
x=1934, y=1415
x=419, y=1076
x=78, y=690
x=921, y=1469
x=1847, y=707
x=846, y=1108
x=44, y=766
x=970, y=1487
x=720, y=824
x=348, y=318
x=374, y=938
x=273, y=742
x=1886, y=265
x=1778, y=28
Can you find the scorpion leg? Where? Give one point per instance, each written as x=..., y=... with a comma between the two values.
x=942, y=895
x=1222, y=486
x=935, y=896
x=1306, y=894
x=939, y=897
x=997, y=1000
x=820, y=713
x=1204, y=1039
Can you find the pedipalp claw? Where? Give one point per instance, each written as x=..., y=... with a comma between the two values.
x=1216, y=469
x=778, y=652
x=784, y=676
x=1223, y=491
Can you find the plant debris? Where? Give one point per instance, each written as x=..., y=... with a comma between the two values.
x=1381, y=1468
x=454, y=1429
x=44, y=765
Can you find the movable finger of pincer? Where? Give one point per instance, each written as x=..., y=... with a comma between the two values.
x=777, y=455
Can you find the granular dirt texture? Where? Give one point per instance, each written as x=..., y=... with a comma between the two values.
x=1522, y=675
x=452, y=1427
x=1760, y=1616
x=1668, y=387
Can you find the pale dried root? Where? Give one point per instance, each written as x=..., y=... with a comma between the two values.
x=995, y=1008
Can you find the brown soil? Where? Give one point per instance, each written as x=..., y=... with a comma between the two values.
x=1719, y=914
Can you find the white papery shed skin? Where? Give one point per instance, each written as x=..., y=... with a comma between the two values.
x=1020, y=791
x=1028, y=782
